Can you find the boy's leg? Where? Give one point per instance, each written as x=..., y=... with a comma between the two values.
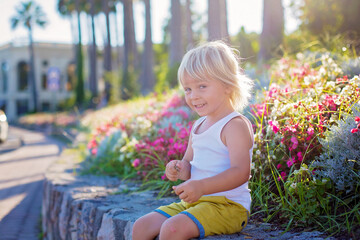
x=148, y=226
x=178, y=227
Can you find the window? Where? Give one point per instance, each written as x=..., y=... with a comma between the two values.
x=44, y=81
x=45, y=106
x=22, y=107
x=23, y=75
x=4, y=76
x=3, y=105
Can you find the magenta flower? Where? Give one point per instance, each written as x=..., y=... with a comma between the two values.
x=282, y=176
x=94, y=151
x=300, y=156
x=136, y=163
x=357, y=119
x=354, y=130
x=274, y=125
x=290, y=162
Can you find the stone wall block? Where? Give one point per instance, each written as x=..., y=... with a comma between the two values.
x=64, y=215
x=106, y=231
x=75, y=207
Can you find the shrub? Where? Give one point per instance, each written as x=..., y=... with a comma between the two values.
x=340, y=158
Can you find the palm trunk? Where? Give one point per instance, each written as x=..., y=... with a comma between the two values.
x=273, y=28
x=147, y=79
x=176, y=43
x=32, y=71
x=93, y=59
x=189, y=31
x=80, y=94
x=130, y=63
x=107, y=57
x=217, y=20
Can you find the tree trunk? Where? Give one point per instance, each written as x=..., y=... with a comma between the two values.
x=273, y=28
x=147, y=79
x=107, y=54
x=118, y=47
x=176, y=40
x=130, y=63
x=217, y=21
x=189, y=32
x=80, y=93
x=32, y=72
x=93, y=58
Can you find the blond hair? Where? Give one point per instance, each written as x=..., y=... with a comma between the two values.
x=216, y=60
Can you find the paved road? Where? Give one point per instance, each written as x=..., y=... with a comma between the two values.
x=23, y=160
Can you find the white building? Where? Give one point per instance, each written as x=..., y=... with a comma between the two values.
x=15, y=89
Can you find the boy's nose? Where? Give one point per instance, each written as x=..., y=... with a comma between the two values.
x=194, y=95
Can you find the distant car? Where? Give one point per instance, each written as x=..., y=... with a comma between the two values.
x=4, y=126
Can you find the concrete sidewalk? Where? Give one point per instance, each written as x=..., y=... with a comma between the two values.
x=24, y=159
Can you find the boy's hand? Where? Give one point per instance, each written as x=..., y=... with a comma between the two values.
x=189, y=191
x=173, y=169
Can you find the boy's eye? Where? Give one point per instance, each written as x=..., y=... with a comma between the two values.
x=187, y=89
x=202, y=86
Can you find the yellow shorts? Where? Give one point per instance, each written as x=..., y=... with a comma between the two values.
x=211, y=214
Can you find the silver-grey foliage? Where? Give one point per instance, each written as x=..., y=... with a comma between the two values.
x=340, y=160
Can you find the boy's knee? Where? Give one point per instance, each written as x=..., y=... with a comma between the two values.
x=168, y=227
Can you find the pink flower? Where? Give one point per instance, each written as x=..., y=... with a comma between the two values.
x=163, y=177
x=295, y=143
x=136, y=163
x=290, y=162
x=282, y=176
x=357, y=119
x=279, y=166
x=274, y=125
x=300, y=156
x=310, y=131
x=354, y=130
x=94, y=151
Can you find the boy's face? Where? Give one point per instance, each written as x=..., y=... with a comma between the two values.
x=206, y=97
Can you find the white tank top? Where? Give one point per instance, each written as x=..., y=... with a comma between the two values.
x=211, y=157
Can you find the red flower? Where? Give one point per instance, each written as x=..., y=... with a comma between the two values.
x=354, y=130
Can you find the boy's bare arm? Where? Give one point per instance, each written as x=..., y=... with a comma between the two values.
x=238, y=141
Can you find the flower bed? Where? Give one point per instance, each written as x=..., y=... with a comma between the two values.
x=296, y=122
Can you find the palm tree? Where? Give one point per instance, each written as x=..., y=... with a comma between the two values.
x=30, y=14
x=273, y=28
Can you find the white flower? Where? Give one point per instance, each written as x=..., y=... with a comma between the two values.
x=258, y=152
x=330, y=84
x=307, y=80
x=293, y=185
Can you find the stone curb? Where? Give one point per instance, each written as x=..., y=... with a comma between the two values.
x=92, y=207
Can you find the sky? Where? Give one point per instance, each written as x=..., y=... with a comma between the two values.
x=247, y=13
